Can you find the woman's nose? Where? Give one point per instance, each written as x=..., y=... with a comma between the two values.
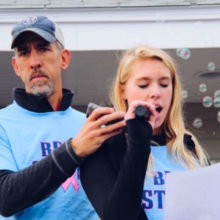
x=155, y=91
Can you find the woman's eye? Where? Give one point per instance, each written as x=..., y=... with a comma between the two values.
x=142, y=86
x=164, y=85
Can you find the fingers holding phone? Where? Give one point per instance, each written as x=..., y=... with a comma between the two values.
x=97, y=128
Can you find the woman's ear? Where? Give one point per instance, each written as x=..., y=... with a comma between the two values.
x=65, y=56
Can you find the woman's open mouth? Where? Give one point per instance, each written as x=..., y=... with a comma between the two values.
x=158, y=109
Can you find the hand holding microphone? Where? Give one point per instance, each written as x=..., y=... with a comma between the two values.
x=142, y=112
x=145, y=112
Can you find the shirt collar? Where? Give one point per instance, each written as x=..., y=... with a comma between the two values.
x=40, y=104
x=158, y=140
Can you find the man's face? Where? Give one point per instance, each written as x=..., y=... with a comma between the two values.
x=39, y=64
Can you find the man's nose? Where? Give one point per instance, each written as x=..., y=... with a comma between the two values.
x=35, y=60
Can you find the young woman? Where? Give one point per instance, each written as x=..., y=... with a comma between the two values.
x=125, y=178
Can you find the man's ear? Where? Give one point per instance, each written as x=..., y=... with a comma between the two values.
x=65, y=56
x=15, y=66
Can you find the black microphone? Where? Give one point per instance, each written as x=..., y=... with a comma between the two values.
x=142, y=112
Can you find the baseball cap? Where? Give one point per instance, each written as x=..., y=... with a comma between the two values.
x=41, y=26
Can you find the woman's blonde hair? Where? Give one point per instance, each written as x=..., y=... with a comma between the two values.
x=173, y=125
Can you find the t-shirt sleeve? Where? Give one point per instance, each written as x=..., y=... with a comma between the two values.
x=45, y=176
x=7, y=161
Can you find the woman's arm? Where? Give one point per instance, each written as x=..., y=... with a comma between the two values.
x=117, y=194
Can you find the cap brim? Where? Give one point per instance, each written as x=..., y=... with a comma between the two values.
x=44, y=34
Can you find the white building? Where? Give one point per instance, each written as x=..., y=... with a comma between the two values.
x=97, y=32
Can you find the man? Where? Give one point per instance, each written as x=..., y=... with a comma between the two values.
x=41, y=144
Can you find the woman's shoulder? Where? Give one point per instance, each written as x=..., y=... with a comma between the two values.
x=189, y=143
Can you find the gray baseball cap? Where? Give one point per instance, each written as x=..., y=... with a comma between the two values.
x=41, y=26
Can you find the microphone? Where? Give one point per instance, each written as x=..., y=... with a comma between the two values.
x=142, y=112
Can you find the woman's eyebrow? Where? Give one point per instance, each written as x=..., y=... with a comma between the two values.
x=143, y=79
x=165, y=78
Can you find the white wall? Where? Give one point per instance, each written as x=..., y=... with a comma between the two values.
x=120, y=28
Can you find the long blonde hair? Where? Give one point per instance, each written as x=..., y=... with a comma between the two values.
x=173, y=125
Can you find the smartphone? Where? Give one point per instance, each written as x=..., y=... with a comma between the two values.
x=90, y=108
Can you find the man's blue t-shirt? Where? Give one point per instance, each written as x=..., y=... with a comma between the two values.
x=25, y=138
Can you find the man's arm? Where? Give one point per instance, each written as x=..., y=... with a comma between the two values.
x=19, y=190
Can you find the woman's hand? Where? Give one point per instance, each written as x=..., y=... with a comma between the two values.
x=131, y=111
